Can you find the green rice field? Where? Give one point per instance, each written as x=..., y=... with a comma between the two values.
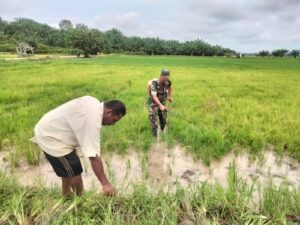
x=220, y=105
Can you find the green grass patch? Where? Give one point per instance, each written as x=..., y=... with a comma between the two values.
x=219, y=103
x=206, y=204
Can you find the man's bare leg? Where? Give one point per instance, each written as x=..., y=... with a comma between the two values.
x=66, y=187
x=72, y=184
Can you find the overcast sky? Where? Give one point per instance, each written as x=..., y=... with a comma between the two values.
x=242, y=25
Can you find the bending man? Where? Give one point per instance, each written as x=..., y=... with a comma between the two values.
x=77, y=123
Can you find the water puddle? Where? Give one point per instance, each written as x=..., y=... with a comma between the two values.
x=163, y=168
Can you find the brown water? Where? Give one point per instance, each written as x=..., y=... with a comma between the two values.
x=164, y=168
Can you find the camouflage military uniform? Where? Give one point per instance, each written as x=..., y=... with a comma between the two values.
x=162, y=90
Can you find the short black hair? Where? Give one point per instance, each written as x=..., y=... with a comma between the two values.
x=116, y=106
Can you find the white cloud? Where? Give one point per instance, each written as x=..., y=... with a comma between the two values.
x=54, y=25
x=132, y=24
x=11, y=7
x=238, y=24
x=128, y=22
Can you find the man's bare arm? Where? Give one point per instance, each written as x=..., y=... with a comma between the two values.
x=98, y=169
x=156, y=100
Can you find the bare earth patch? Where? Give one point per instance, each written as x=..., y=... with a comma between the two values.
x=164, y=168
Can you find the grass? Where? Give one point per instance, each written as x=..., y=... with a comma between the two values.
x=4, y=55
x=220, y=103
x=205, y=204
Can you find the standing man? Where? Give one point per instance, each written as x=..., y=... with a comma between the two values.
x=159, y=91
x=77, y=123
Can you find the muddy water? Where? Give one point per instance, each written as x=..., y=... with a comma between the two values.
x=164, y=168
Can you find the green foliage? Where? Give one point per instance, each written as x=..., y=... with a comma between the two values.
x=279, y=203
x=116, y=40
x=279, y=52
x=264, y=53
x=91, y=41
x=294, y=53
x=65, y=25
x=7, y=47
x=43, y=49
x=3, y=37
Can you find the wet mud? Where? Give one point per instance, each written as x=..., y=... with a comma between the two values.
x=164, y=169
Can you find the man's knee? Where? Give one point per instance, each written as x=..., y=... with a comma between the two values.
x=73, y=181
x=153, y=121
x=77, y=180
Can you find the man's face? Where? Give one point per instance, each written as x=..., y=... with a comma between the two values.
x=110, y=119
x=164, y=78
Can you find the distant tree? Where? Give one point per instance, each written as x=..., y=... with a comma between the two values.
x=29, y=31
x=90, y=41
x=158, y=46
x=55, y=38
x=279, y=52
x=81, y=26
x=174, y=47
x=219, y=51
x=22, y=27
x=116, y=40
x=65, y=24
x=264, y=53
x=2, y=36
x=149, y=45
x=3, y=24
x=294, y=53
x=134, y=44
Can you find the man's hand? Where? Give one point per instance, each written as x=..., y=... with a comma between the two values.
x=170, y=99
x=98, y=169
x=109, y=190
x=162, y=107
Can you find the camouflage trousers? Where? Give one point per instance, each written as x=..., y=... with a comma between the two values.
x=154, y=111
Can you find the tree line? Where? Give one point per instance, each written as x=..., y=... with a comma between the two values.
x=80, y=39
x=279, y=53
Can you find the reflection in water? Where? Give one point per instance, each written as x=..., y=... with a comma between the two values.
x=165, y=168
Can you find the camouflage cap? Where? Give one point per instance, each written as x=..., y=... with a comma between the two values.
x=165, y=72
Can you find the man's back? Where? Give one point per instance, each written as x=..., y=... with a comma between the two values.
x=62, y=129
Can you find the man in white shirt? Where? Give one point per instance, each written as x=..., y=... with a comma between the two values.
x=77, y=123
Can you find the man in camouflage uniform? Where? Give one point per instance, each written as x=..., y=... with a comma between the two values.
x=159, y=90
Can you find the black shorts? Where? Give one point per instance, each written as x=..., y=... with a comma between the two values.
x=67, y=165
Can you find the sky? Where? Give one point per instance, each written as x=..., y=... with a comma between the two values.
x=242, y=25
